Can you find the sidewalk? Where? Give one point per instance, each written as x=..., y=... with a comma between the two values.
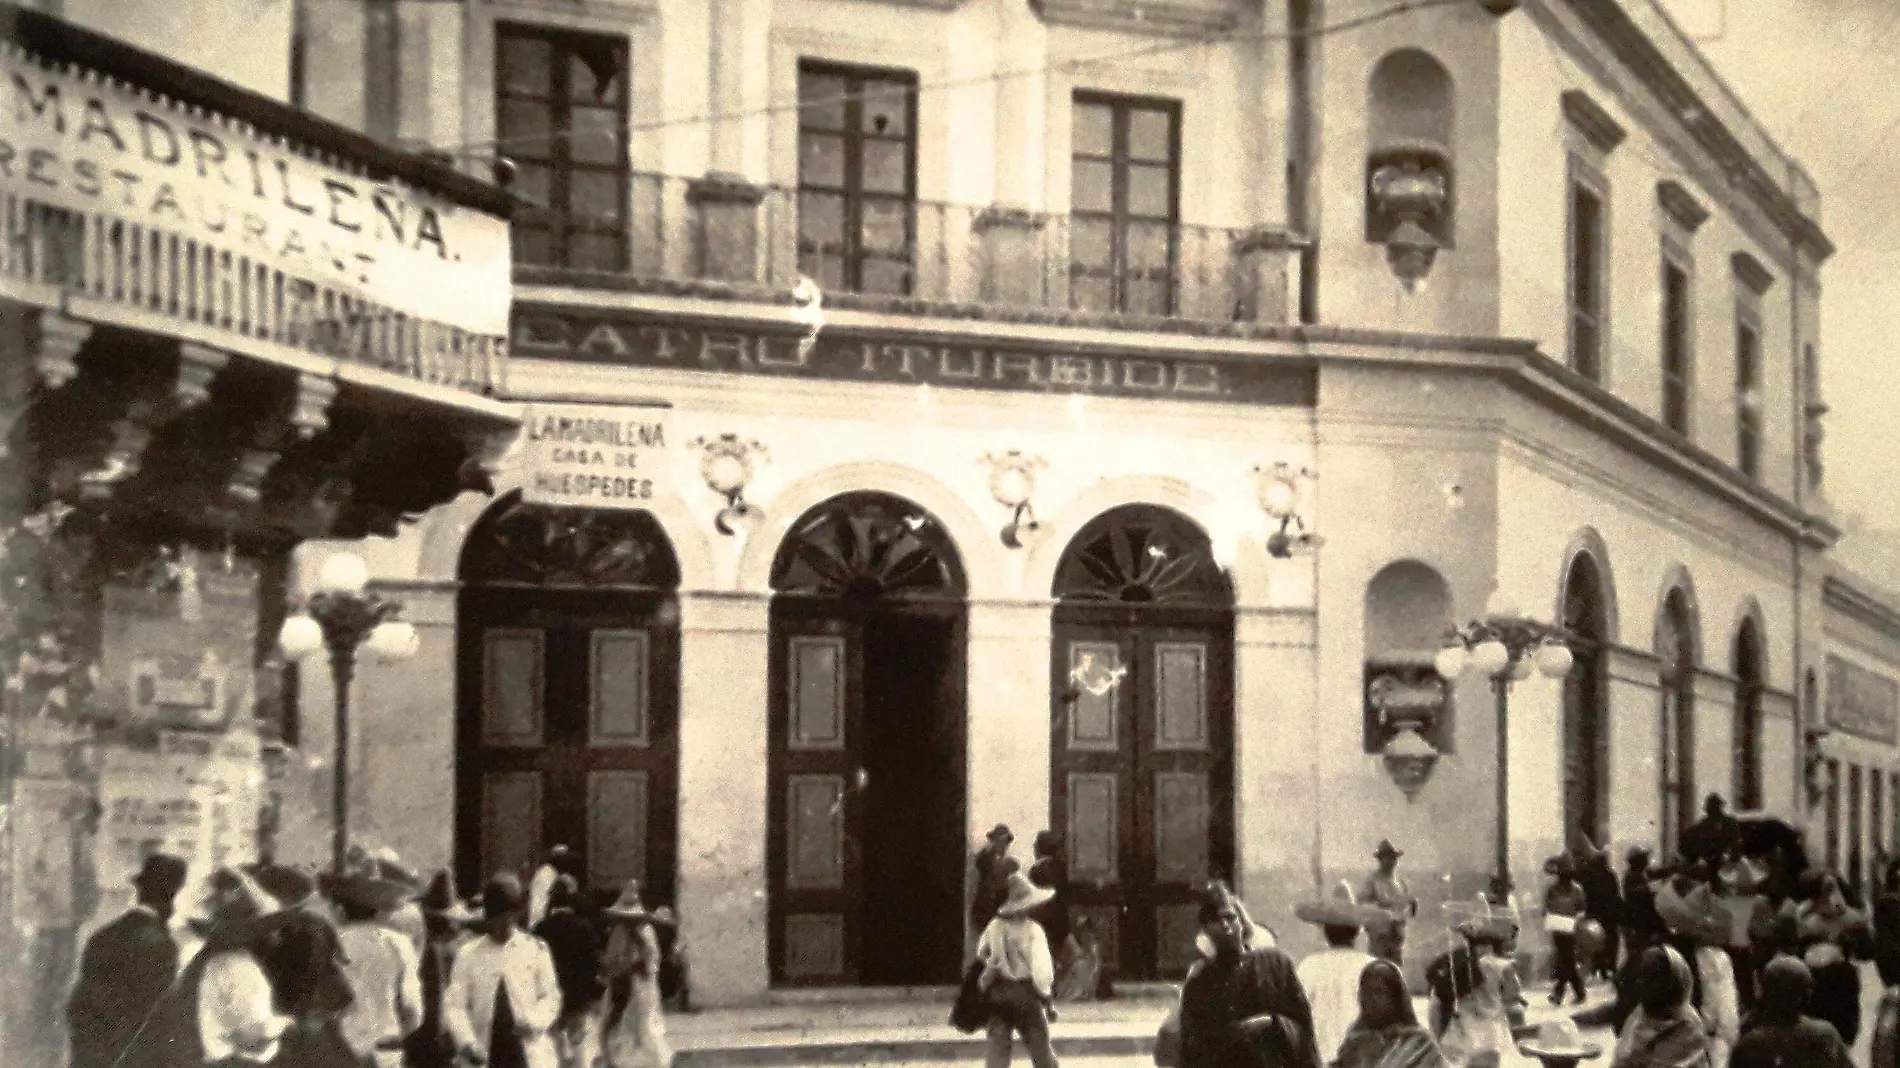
x=1104, y=1034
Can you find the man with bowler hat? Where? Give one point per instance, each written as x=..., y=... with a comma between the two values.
x=503, y=996
x=1385, y=890
x=126, y=968
x=994, y=866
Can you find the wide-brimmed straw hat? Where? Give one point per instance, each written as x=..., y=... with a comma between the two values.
x=288, y=885
x=1387, y=849
x=375, y=882
x=441, y=900
x=1698, y=915
x=1559, y=1040
x=1339, y=909
x=1024, y=896
x=1480, y=921
x=629, y=908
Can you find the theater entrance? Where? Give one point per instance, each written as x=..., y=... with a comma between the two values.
x=568, y=697
x=866, y=759
x=1142, y=724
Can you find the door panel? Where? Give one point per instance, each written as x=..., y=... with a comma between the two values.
x=1142, y=787
x=573, y=737
x=817, y=704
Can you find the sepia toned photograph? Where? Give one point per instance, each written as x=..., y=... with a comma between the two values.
x=930, y=533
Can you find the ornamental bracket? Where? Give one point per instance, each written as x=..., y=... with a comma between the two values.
x=198, y=365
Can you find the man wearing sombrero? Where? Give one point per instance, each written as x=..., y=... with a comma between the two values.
x=381, y=965
x=1387, y=891
x=1331, y=977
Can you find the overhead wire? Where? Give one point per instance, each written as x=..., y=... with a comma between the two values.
x=1394, y=10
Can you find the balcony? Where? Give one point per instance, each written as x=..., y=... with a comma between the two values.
x=958, y=260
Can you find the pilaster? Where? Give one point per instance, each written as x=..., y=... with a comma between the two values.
x=1008, y=689
x=1635, y=717
x=722, y=792
x=1276, y=758
x=1268, y=259
x=1014, y=269
x=1022, y=47
x=402, y=771
x=726, y=239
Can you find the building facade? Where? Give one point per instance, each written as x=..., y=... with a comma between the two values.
x=1092, y=416
x=1852, y=765
x=227, y=328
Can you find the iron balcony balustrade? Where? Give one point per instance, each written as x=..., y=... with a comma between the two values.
x=921, y=253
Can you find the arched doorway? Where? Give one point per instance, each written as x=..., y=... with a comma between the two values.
x=1748, y=694
x=866, y=757
x=567, y=679
x=1586, y=735
x=1142, y=751
x=1676, y=654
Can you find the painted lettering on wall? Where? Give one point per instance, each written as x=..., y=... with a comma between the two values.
x=595, y=456
x=1861, y=702
x=94, y=145
x=564, y=334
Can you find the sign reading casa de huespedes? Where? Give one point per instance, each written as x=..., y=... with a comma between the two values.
x=595, y=455
x=849, y=354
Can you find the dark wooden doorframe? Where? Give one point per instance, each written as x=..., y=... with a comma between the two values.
x=1138, y=897
x=877, y=913
x=574, y=769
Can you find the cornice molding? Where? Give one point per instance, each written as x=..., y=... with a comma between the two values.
x=1842, y=595
x=1633, y=48
x=1160, y=17
x=1681, y=205
x=1592, y=120
x=1750, y=272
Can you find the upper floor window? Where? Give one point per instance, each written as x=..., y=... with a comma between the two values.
x=1748, y=394
x=1124, y=204
x=561, y=115
x=857, y=177
x=1586, y=282
x=1678, y=388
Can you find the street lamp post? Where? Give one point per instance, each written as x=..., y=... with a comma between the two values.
x=340, y=617
x=1505, y=647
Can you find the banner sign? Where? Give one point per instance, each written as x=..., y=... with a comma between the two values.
x=857, y=355
x=595, y=456
x=1862, y=702
x=94, y=145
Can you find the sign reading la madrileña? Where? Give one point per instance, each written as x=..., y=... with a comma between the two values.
x=595, y=456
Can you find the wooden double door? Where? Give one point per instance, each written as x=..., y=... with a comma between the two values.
x=568, y=732
x=866, y=805
x=1142, y=775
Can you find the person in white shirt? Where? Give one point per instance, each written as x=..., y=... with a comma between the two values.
x=1019, y=976
x=503, y=997
x=384, y=972
x=1331, y=980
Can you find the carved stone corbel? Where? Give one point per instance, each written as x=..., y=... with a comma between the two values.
x=53, y=361
x=304, y=417
x=198, y=365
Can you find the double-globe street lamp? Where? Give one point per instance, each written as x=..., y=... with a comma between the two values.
x=1505, y=646
x=341, y=617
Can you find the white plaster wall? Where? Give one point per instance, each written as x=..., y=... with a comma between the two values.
x=180, y=30
x=1539, y=61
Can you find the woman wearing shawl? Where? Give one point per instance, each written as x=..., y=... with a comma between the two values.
x=1779, y=1032
x=1243, y=1008
x=1387, y=1033
x=634, y=1031
x=1665, y=1031
x=1829, y=935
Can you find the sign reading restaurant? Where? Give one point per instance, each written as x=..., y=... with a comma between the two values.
x=87, y=143
x=595, y=456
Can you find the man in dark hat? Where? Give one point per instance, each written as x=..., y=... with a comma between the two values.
x=576, y=945
x=993, y=866
x=504, y=997
x=1385, y=890
x=445, y=917
x=1642, y=926
x=126, y=968
x=1603, y=902
x=1714, y=837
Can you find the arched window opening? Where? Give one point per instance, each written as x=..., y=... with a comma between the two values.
x=1676, y=655
x=1409, y=162
x=1748, y=713
x=1586, y=736
x=866, y=547
x=1407, y=614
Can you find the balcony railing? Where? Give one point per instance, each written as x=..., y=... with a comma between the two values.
x=945, y=253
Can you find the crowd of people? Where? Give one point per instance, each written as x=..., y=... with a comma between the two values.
x=1734, y=953
x=368, y=967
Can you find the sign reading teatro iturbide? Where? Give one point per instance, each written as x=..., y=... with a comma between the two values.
x=96, y=146
x=595, y=456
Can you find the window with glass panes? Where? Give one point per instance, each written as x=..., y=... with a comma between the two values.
x=561, y=116
x=1675, y=346
x=1124, y=204
x=857, y=177
x=1747, y=394
x=1586, y=281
